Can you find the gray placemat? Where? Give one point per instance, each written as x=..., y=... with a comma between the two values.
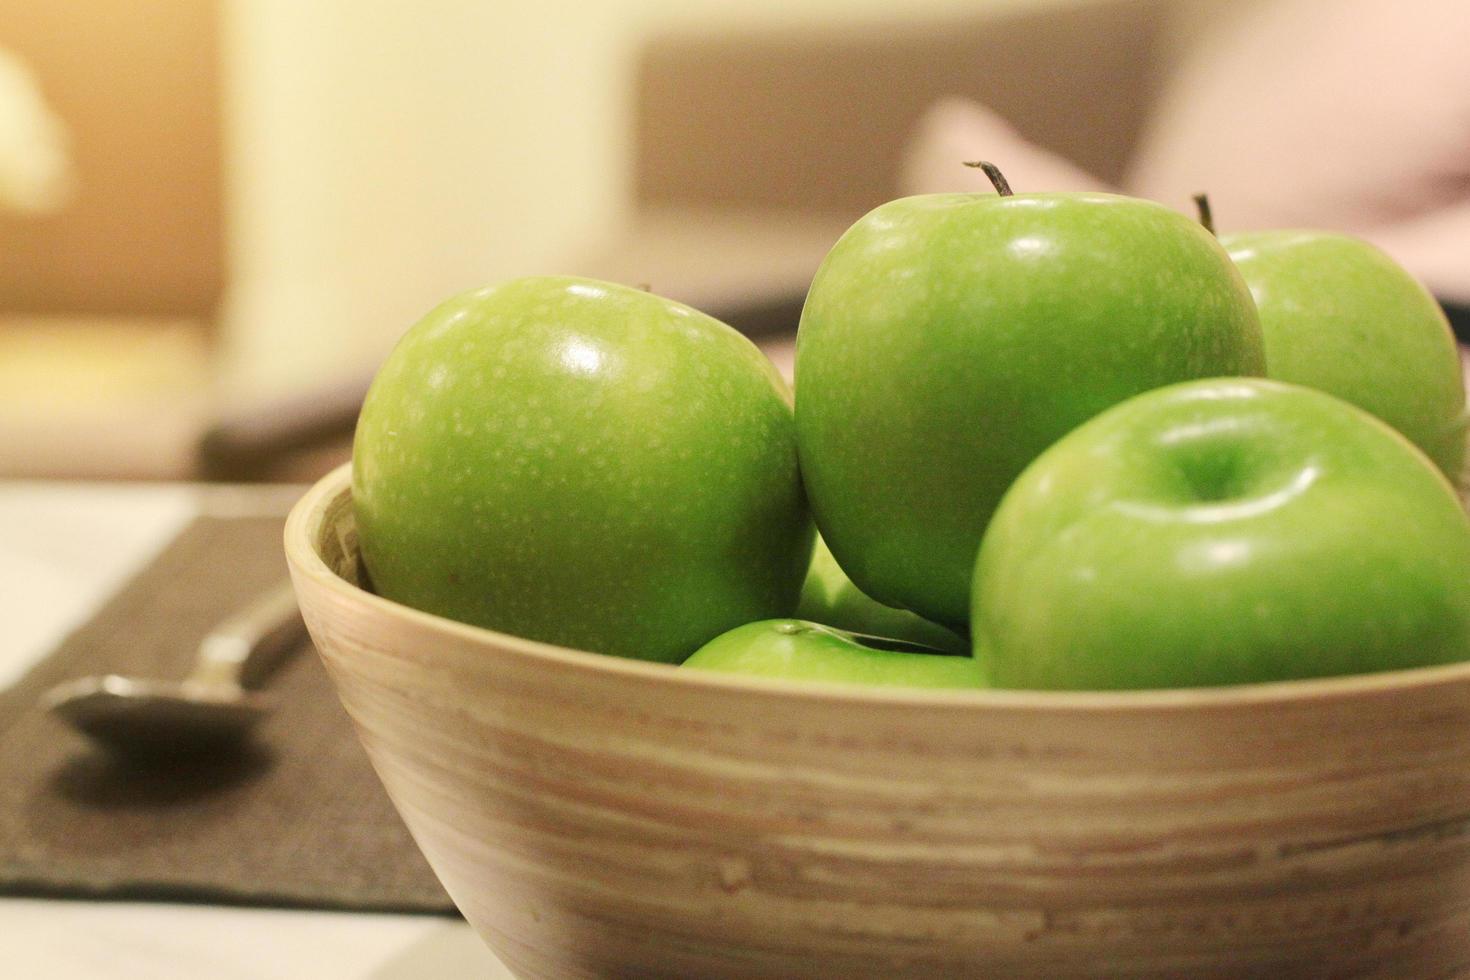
x=296, y=818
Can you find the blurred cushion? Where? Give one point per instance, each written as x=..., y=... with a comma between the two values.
x=1345, y=114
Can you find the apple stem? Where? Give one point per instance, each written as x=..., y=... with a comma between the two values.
x=1202, y=205
x=997, y=179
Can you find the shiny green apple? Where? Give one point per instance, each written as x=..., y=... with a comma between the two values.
x=1340, y=315
x=829, y=597
x=947, y=339
x=584, y=464
x=1220, y=532
x=799, y=650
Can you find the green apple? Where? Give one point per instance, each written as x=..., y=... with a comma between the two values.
x=1220, y=532
x=1338, y=314
x=829, y=597
x=798, y=650
x=947, y=339
x=584, y=464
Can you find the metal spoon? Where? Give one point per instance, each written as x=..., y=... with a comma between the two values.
x=213, y=704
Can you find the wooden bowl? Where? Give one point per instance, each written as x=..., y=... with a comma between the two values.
x=601, y=817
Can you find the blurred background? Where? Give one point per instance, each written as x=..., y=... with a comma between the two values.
x=216, y=216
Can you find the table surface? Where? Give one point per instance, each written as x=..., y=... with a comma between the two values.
x=64, y=549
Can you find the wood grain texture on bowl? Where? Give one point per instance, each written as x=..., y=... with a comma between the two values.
x=600, y=817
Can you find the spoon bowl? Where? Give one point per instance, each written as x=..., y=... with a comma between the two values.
x=128, y=710
x=214, y=704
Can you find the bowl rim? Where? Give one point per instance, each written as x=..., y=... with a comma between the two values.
x=311, y=509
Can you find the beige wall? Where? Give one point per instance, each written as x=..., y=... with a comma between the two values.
x=383, y=155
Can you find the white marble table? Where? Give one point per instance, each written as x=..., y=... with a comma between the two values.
x=64, y=548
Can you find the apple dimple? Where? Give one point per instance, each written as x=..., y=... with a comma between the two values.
x=1212, y=460
x=1226, y=531
x=1215, y=473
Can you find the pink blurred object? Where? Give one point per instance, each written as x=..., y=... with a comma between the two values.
x=1350, y=115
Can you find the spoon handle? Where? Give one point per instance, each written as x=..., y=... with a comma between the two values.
x=241, y=650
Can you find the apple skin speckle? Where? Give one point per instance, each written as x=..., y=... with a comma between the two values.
x=947, y=339
x=1213, y=532
x=600, y=468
